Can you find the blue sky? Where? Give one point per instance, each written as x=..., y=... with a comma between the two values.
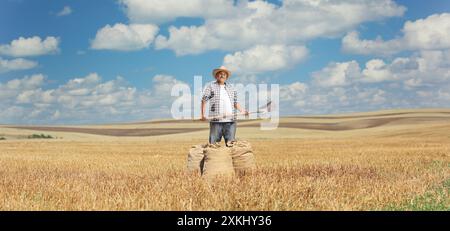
x=318, y=72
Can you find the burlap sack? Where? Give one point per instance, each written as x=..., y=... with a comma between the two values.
x=195, y=158
x=242, y=156
x=218, y=162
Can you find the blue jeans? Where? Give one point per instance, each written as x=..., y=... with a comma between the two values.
x=219, y=129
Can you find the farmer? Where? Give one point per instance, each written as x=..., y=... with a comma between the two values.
x=222, y=108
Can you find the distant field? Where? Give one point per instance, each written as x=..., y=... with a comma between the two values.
x=315, y=123
x=394, y=160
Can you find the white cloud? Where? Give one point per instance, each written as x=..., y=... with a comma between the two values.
x=339, y=99
x=263, y=23
x=431, y=33
x=157, y=11
x=420, y=69
x=264, y=58
x=16, y=64
x=56, y=115
x=351, y=43
x=293, y=91
x=124, y=37
x=33, y=46
x=421, y=79
x=65, y=11
x=11, y=89
x=28, y=82
x=337, y=74
x=85, y=99
x=376, y=71
x=424, y=68
x=165, y=84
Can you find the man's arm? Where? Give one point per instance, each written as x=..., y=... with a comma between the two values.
x=206, y=96
x=203, y=117
x=238, y=106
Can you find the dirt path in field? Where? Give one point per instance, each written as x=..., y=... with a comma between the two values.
x=114, y=131
x=362, y=116
x=306, y=117
x=358, y=124
x=338, y=126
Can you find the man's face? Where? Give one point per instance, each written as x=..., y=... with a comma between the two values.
x=221, y=76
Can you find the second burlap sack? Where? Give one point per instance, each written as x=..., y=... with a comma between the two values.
x=218, y=162
x=195, y=158
x=242, y=156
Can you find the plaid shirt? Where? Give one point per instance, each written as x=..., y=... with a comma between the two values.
x=212, y=92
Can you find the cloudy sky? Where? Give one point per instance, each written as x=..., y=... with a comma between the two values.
x=74, y=62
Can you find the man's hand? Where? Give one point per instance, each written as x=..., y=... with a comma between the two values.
x=241, y=110
x=203, y=118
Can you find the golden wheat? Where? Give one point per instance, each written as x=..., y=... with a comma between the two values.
x=292, y=174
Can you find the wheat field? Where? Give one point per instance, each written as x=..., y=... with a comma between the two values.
x=374, y=168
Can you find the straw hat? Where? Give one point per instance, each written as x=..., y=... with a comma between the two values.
x=222, y=68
